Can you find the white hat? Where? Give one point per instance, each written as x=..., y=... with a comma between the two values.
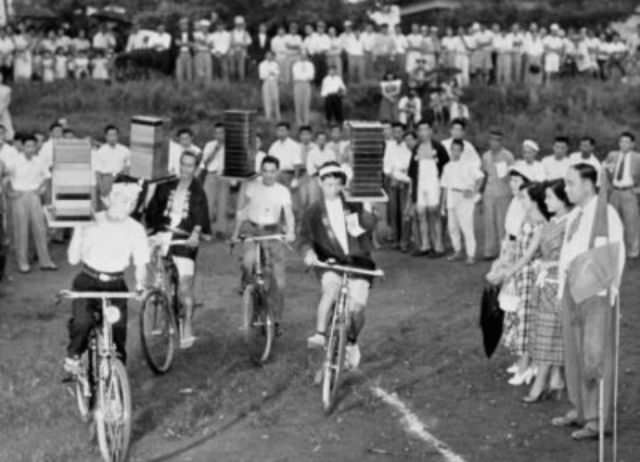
x=331, y=168
x=238, y=20
x=475, y=26
x=203, y=23
x=554, y=26
x=531, y=145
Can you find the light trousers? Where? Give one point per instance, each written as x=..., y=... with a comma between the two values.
x=494, y=211
x=27, y=215
x=626, y=204
x=355, y=68
x=202, y=62
x=216, y=189
x=460, y=224
x=271, y=99
x=302, y=102
x=184, y=67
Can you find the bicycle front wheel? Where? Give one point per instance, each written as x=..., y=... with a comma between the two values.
x=158, y=331
x=258, y=325
x=113, y=415
x=334, y=362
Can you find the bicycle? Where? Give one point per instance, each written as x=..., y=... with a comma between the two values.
x=338, y=323
x=161, y=316
x=258, y=324
x=103, y=385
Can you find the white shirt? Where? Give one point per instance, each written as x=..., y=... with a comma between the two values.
x=317, y=43
x=534, y=46
x=175, y=153
x=581, y=239
x=317, y=157
x=111, y=159
x=338, y=222
x=287, y=152
x=46, y=153
x=217, y=164
x=469, y=152
x=293, y=43
x=627, y=179
x=503, y=43
x=534, y=171
x=160, y=41
x=459, y=110
x=220, y=42
x=104, y=41
x=401, y=44
x=239, y=38
x=265, y=204
x=136, y=41
x=576, y=158
x=396, y=160
x=458, y=177
x=303, y=71
x=351, y=44
x=269, y=70
x=515, y=217
x=27, y=174
x=331, y=85
x=555, y=169
x=8, y=155
x=405, y=111
x=368, y=40
x=278, y=45
x=109, y=246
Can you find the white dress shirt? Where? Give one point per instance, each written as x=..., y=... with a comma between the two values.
x=317, y=43
x=269, y=70
x=469, y=152
x=217, y=164
x=175, y=153
x=8, y=155
x=458, y=177
x=294, y=44
x=279, y=46
x=338, y=222
x=396, y=160
x=27, y=174
x=46, y=153
x=577, y=158
x=220, y=42
x=555, y=169
x=109, y=246
x=351, y=44
x=317, y=157
x=265, y=204
x=331, y=85
x=303, y=71
x=160, y=42
x=287, y=152
x=503, y=43
x=534, y=171
x=111, y=159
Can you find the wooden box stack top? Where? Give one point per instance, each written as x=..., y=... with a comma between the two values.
x=149, y=148
x=73, y=198
x=240, y=143
x=367, y=145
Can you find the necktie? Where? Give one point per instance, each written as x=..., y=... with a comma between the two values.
x=621, y=166
x=575, y=224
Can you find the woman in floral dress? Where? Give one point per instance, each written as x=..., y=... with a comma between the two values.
x=546, y=342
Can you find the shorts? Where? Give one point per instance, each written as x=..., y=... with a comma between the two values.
x=358, y=289
x=186, y=266
x=428, y=199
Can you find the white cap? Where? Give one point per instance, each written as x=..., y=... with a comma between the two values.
x=531, y=145
x=331, y=169
x=238, y=20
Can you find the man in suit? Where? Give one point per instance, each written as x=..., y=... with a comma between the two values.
x=183, y=42
x=333, y=229
x=260, y=45
x=623, y=167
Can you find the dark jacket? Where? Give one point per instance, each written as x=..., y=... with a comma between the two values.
x=196, y=213
x=442, y=157
x=316, y=234
x=256, y=51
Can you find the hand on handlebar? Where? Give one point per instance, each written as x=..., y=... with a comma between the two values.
x=193, y=240
x=310, y=259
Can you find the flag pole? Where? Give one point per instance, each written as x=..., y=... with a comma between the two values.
x=601, y=421
x=616, y=371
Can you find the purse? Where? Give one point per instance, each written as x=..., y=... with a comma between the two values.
x=508, y=298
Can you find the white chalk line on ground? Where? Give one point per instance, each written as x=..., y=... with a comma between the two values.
x=414, y=425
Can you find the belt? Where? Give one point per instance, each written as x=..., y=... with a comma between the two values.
x=101, y=275
x=270, y=228
x=623, y=188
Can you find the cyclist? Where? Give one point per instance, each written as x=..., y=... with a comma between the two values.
x=105, y=248
x=178, y=210
x=260, y=209
x=333, y=229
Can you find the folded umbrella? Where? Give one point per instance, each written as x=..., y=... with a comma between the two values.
x=491, y=319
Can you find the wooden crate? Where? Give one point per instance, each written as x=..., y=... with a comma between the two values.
x=73, y=196
x=367, y=146
x=149, y=148
x=240, y=144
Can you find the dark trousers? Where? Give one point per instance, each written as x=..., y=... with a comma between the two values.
x=319, y=61
x=400, y=224
x=83, y=314
x=333, y=109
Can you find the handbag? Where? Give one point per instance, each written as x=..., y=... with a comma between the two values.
x=508, y=298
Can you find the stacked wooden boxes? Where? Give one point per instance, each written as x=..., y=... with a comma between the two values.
x=149, y=148
x=367, y=145
x=240, y=144
x=73, y=198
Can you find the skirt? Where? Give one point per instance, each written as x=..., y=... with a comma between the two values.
x=546, y=342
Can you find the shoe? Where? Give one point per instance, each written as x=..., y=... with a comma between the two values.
x=24, y=269
x=187, y=342
x=544, y=395
x=455, y=256
x=568, y=420
x=585, y=433
x=524, y=377
x=513, y=368
x=352, y=356
x=421, y=253
x=487, y=258
x=436, y=254
x=49, y=268
x=317, y=340
x=72, y=366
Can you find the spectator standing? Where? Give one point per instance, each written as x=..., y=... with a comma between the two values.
x=109, y=160
x=23, y=49
x=556, y=165
x=529, y=165
x=503, y=46
x=390, y=88
x=239, y=46
x=160, y=41
x=303, y=73
x=517, y=40
x=185, y=143
x=216, y=187
x=397, y=156
x=5, y=115
x=103, y=39
x=585, y=154
x=458, y=110
x=461, y=47
x=400, y=47
x=334, y=54
x=294, y=49
x=383, y=47
x=269, y=73
x=553, y=53
x=333, y=90
x=317, y=44
x=135, y=41
x=202, y=59
x=458, y=132
x=534, y=49
x=354, y=49
x=260, y=44
x=220, y=43
x=287, y=151
x=414, y=48
x=279, y=48
x=7, y=49
x=184, y=43
x=410, y=109
x=368, y=40
x=497, y=193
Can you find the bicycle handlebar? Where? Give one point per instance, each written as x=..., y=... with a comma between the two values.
x=268, y=237
x=83, y=295
x=378, y=273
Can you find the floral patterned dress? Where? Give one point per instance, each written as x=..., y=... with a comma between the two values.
x=517, y=324
x=546, y=343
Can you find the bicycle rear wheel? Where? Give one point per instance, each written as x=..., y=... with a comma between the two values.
x=113, y=415
x=258, y=325
x=158, y=331
x=334, y=361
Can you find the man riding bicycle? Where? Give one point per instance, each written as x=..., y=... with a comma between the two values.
x=260, y=209
x=105, y=248
x=178, y=210
x=335, y=230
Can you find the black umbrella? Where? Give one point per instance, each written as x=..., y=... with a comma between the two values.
x=109, y=15
x=491, y=319
x=35, y=13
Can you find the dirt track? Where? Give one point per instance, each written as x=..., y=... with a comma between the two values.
x=421, y=342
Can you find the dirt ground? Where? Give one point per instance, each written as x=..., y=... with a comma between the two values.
x=421, y=342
